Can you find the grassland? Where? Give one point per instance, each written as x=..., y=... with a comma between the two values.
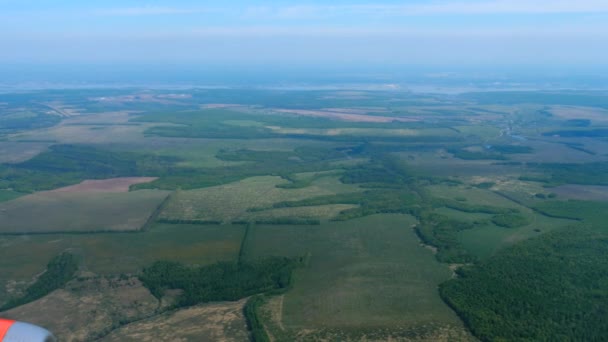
x=113, y=128
x=207, y=322
x=363, y=276
x=234, y=201
x=115, y=253
x=581, y=192
x=486, y=238
x=471, y=195
x=54, y=212
x=7, y=195
x=15, y=152
x=88, y=307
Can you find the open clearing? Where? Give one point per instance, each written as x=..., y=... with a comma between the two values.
x=486, y=240
x=582, y=192
x=16, y=152
x=471, y=195
x=379, y=132
x=319, y=212
x=570, y=112
x=121, y=184
x=107, y=127
x=68, y=211
x=86, y=308
x=340, y=115
x=208, y=322
x=231, y=202
x=367, y=275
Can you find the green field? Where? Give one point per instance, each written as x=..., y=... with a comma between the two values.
x=233, y=202
x=361, y=276
x=115, y=253
x=52, y=212
x=7, y=195
x=471, y=195
x=487, y=239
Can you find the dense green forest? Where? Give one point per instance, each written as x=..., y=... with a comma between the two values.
x=552, y=288
x=441, y=232
x=570, y=173
x=220, y=281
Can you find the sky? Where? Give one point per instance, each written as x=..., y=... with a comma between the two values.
x=467, y=33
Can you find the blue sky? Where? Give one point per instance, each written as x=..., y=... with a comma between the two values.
x=420, y=32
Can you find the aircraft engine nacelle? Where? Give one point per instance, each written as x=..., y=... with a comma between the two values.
x=14, y=331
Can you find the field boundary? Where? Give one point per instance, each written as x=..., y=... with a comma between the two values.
x=243, y=243
x=154, y=215
x=534, y=209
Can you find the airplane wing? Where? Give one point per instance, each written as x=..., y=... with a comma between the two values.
x=14, y=331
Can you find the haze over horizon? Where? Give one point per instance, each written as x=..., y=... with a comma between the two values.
x=181, y=36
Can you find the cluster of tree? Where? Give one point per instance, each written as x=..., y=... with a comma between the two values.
x=510, y=220
x=254, y=322
x=465, y=154
x=69, y=164
x=368, y=202
x=223, y=281
x=98, y=163
x=592, y=212
x=581, y=173
x=288, y=221
x=511, y=149
x=15, y=124
x=442, y=232
x=471, y=208
x=551, y=288
x=59, y=271
x=295, y=183
x=581, y=148
x=540, y=195
x=186, y=221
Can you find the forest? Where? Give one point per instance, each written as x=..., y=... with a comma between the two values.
x=553, y=288
x=222, y=281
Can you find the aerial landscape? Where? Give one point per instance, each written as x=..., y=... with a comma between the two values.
x=376, y=206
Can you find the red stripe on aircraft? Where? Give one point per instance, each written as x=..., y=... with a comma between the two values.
x=5, y=324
